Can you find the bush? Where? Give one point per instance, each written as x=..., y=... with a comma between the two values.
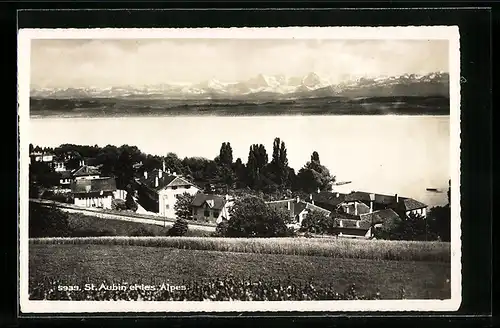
x=45, y=221
x=180, y=228
x=319, y=223
x=221, y=229
x=57, y=197
x=182, y=206
x=413, y=227
x=439, y=219
x=130, y=203
x=118, y=205
x=252, y=217
x=291, y=232
x=141, y=231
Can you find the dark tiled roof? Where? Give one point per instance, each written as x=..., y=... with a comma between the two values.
x=310, y=206
x=65, y=174
x=361, y=208
x=298, y=207
x=84, y=186
x=412, y=204
x=85, y=171
x=386, y=200
x=365, y=197
x=341, y=215
x=200, y=199
x=164, y=181
x=90, y=161
x=356, y=195
x=295, y=208
x=328, y=198
x=381, y=216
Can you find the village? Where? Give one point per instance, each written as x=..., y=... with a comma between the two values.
x=155, y=193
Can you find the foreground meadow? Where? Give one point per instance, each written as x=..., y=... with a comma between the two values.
x=91, y=263
x=328, y=247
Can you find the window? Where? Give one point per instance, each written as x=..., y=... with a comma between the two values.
x=206, y=213
x=174, y=187
x=216, y=213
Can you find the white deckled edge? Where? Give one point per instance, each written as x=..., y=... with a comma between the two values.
x=450, y=33
x=339, y=33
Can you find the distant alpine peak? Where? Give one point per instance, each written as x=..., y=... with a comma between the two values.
x=313, y=80
x=212, y=83
x=308, y=85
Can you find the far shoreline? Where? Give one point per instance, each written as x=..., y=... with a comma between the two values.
x=199, y=115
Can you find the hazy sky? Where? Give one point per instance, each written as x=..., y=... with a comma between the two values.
x=104, y=63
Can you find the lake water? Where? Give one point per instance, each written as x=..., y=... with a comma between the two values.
x=383, y=154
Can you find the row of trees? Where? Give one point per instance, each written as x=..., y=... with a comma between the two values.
x=257, y=174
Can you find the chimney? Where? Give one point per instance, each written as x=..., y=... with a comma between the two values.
x=396, y=197
x=156, y=182
x=164, y=166
x=145, y=174
x=297, y=199
x=160, y=173
x=372, y=199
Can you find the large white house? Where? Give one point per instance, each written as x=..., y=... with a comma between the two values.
x=86, y=172
x=158, y=190
x=93, y=192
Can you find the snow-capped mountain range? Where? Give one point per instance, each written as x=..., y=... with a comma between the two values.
x=269, y=86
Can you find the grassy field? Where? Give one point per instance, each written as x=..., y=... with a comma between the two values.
x=336, y=248
x=136, y=264
x=84, y=223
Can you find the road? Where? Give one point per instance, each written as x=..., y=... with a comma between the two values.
x=123, y=217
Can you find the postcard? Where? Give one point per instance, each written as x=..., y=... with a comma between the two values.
x=304, y=169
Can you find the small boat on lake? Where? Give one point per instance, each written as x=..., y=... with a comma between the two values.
x=434, y=190
x=342, y=183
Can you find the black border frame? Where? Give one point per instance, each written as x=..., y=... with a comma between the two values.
x=476, y=126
